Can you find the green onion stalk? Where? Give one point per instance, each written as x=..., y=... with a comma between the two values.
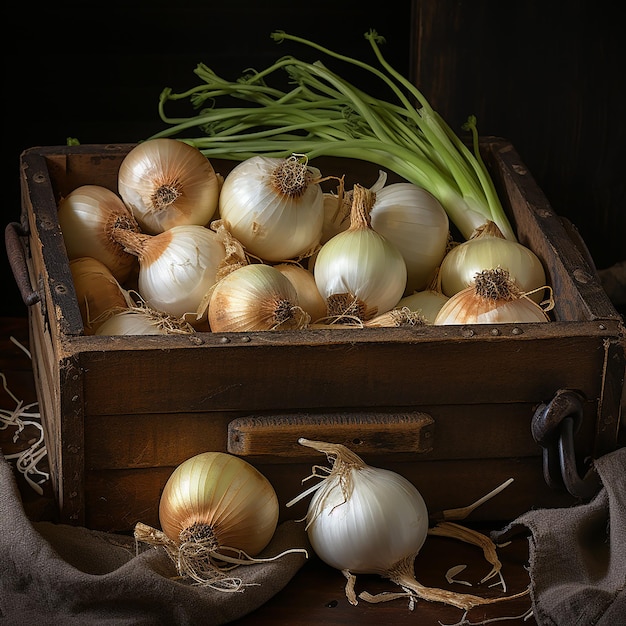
x=322, y=114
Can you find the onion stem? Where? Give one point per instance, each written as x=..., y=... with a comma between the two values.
x=326, y=115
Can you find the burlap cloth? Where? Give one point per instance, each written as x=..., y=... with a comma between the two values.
x=56, y=574
x=578, y=554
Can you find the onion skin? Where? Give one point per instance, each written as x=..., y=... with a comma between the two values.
x=225, y=493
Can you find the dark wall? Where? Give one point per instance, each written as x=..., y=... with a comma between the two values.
x=546, y=75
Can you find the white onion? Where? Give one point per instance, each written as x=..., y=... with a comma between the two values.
x=359, y=272
x=166, y=183
x=142, y=320
x=361, y=518
x=274, y=207
x=427, y=302
x=417, y=224
x=176, y=267
x=369, y=520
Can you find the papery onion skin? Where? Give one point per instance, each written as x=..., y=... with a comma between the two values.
x=87, y=217
x=225, y=493
x=417, y=224
x=488, y=251
x=272, y=225
x=255, y=297
x=166, y=183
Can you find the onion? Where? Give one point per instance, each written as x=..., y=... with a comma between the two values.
x=89, y=217
x=166, y=183
x=488, y=249
x=216, y=510
x=359, y=272
x=363, y=519
x=427, y=302
x=176, y=267
x=309, y=297
x=274, y=207
x=417, y=224
x=255, y=297
x=99, y=295
x=368, y=520
x=492, y=298
x=142, y=320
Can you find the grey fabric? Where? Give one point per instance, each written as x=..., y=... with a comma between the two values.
x=578, y=554
x=56, y=574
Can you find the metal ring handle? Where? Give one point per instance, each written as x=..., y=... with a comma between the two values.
x=13, y=233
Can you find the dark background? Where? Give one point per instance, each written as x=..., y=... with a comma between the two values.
x=547, y=75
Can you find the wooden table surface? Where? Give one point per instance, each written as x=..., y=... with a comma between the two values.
x=316, y=594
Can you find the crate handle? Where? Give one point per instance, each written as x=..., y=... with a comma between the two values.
x=261, y=436
x=13, y=234
x=553, y=427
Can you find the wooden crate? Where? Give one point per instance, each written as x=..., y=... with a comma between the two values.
x=448, y=407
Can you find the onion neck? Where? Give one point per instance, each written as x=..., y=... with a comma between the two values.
x=362, y=202
x=343, y=458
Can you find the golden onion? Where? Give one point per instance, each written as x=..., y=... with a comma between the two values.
x=166, y=183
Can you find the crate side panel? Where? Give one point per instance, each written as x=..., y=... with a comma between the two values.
x=253, y=377
x=576, y=286
x=152, y=440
